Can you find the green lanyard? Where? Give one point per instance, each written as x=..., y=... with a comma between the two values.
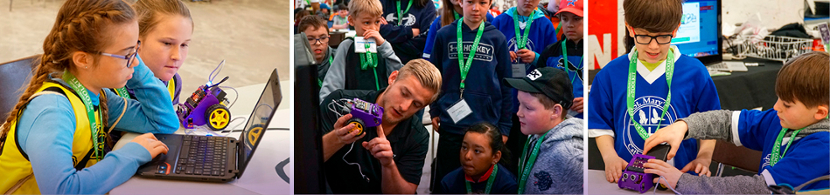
x=367, y=61
x=456, y=15
x=123, y=92
x=527, y=164
x=777, y=147
x=558, y=28
x=98, y=142
x=489, y=181
x=632, y=87
x=521, y=41
x=464, y=67
x=319, y=80
x=565, y=56
x=400, y=14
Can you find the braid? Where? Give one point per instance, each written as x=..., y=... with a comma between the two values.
x=40, y=76
x=81, y=25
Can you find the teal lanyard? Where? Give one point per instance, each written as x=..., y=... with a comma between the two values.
x=400, y=14
x=565, y=56
x=319, y=80
x=123, y=92
x=489, y=181
x=632, y=87
x=527, y=164
x=464, y=67
x=777, y=147
x=98, y=142
x=521, y=41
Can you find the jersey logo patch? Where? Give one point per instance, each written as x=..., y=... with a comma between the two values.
x=647, y=112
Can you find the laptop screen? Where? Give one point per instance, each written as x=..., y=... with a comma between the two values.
x=260, y=118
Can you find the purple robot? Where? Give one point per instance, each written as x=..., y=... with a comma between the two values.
x=364, y=114
x=634, y=177
x=205, y=106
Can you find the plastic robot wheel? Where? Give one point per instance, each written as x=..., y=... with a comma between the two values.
x=358, y=125
x=218, y=116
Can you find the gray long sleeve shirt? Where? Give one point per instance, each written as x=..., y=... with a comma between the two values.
x=723, y=125
x=336, y=76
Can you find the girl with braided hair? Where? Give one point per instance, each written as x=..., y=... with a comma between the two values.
x=53, y=140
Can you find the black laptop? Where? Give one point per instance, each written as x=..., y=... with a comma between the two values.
x=214, y=158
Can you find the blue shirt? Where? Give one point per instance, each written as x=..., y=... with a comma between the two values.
x=692, y=91
x=433, y=31
x=47, y=126
x=552, y=57
x=542, y=33
x=805, y=160
x=454, y=183
x=488, y=97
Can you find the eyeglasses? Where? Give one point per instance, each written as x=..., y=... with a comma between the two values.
x=645, y=39
x=129, y=57
x=321, y=40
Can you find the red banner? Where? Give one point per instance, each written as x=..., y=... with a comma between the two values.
x=602, y=32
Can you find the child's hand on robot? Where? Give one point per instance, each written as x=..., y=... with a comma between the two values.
x=343, y=133
x=380, y=148
x=614, y=165
x=663, y=169
x=672, y=134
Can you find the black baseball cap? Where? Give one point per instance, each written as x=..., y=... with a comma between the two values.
x=551, y=82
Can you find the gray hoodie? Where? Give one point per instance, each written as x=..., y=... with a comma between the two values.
x=558, y=167
x=716, y=125
x=336, y=77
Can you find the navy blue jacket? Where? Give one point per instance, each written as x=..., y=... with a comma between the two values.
x=488, y=97
x=433, y=29
x=453, y=183
x=406, y=45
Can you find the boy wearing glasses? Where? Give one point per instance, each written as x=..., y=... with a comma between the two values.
x=362, y=65
x=650, y=88
x=317, y=32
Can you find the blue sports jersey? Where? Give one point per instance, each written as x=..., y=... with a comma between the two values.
x=805, y=160
x=692, y=91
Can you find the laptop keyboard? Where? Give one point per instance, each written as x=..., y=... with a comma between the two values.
x=203, y=155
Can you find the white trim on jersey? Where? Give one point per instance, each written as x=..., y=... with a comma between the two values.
x=592, y=133
x=651, y=76
x=768, y=177
x=736, y=138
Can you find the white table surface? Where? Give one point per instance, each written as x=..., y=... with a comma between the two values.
x=260, y=176
x=597, y=184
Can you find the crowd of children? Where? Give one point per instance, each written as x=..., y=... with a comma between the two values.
x=474, y=53
x=481, y=58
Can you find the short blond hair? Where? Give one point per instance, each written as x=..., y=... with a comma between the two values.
x=426, y=73
x=371, y=7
